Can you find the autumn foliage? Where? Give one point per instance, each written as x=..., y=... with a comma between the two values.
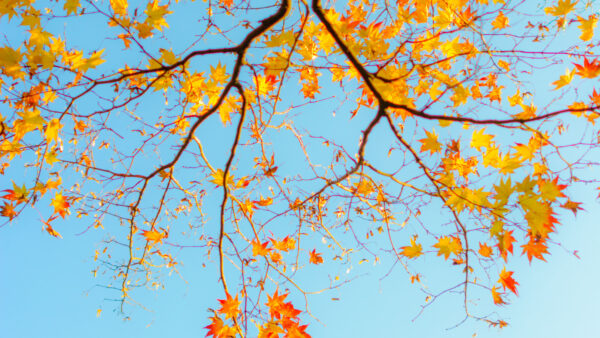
x=281, y=139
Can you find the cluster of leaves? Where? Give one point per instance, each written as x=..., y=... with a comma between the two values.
x=117, y=137
x=283, y=318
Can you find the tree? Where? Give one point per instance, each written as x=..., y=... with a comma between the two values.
x=276, y=139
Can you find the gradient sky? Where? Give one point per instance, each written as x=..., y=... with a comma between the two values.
x=48, y=289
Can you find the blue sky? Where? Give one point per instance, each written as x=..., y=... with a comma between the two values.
x=49, y=290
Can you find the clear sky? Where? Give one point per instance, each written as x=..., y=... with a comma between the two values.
x=49, y=290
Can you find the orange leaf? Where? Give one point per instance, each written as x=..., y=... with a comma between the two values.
x=153, y=236
x=263, y=202
x=573, y=206
x=535, y=248
x=60, y=204
x=259, y=249
x=588, y=69
x=49, y=228
x=8, y=210
x=507, y=281
x=217, y=329
x=497, y=298
x=285, y=244
x=505, y=243
x=315, y=258
x=277, y=307
x=485, y=250
x=230, y=306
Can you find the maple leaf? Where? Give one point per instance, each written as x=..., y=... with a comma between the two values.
x=496, y=297
x=71, y=6
x=448, y=245
x=61, y=205
x=229, y=306
x=588, y=69
x=276, y=257
x=260, y=249
x=535, y=248
x=275, y=303
x=8, y=210
x=17, y=194
x=573, y=206
x=263, y=202
x=563, y=7
x=414, y=250
x=285, y=244
x=364, y=188
x=564, y=80
x=485, y=250
x=503, y=191
x=49, y=228
x=587, y=27
x=154, y=236
x=119, y=7
x=270, y=330
x=551, y=190
x=500, y=22
x=505, y=243
x=507, y=281
x=10, y=62
x=156, y=15
x=516, y=99
x=480, y=139
x=218, y=329
x=430, y=143
x=217, y=178
x=315, y=258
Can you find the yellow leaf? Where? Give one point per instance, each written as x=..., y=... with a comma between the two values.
x=515, y=99
x=39, y=37
x=60, y=204
x=587, y=27
x=414, y=250
x=9, y=61
x=480, y=139
x=563, y=7
x=92, y=62
x=448, y=245
x=500, y=22
x=283, y=38
x=364, y=188
x=154, y=236
x=71, y=6
x=503, y=64
x=218, y=178
x=156, y=15
x=564, y=79
x=430, y=143
x=144, y=30
x=52, y=129
x=119, y=7
x=168, y=57
x=51, y=158
x=219, y=73
x=508, y=164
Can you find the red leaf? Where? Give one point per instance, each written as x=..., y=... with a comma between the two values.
x=507, y=281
